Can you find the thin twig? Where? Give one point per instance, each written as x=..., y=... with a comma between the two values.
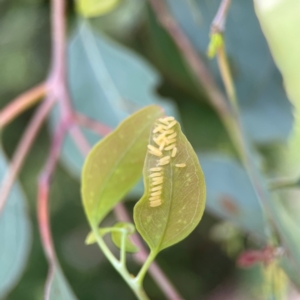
x=23, y=148
x=157, y=274
x=99, y=128
x=218, y=23
x=43, y=188
x=21, y=103
x=196, y=65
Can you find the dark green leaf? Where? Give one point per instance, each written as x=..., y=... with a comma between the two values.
x=182, y=198
x=115, y=164
x=15, y=235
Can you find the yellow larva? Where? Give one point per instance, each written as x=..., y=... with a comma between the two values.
x=172, y=124
x=157, y=178
x=172, y=136
x=156, y=169
x=157, y=182
x=164, y=158
x=162, y=145
x=155, y=153
x=169, y=118
x=157, y=188
x=169, y=131
x=164, y=121
x=170, y=147
x=180, y=165
x=170, y=141
x=174, y=151
x=157, y=129
x=154, y=150
x=158, y=174
x=156, y=193
x=155, y=203
x=160, y=137
x=164, y=163
x=154, y=198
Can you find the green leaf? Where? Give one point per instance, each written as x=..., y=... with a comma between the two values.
x=182, y=199
x=116, y=236
x=94, y=8
x=280, y=22
x=15, y=235
x=115, y=164
x=57, y=287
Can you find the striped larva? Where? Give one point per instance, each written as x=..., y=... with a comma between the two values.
x=180, y=165
x=154, y=198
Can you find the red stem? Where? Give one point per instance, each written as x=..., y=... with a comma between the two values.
x=23, y=148
x=21, y=103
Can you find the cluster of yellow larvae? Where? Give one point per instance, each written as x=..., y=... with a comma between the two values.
x=165, y=138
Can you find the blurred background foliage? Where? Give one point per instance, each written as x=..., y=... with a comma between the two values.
x=118, y=62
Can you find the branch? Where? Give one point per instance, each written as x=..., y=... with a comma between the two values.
x=43, y=191
x=23, y=148
x=218, y=23
x=21, y=103
x=196, y=65
x=99, y=128
x=157, y=274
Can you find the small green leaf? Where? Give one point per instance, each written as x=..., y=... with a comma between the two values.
x=91, y=238
x=116, y=236
x=115, y=164
x=94, y=8
x=182, y=199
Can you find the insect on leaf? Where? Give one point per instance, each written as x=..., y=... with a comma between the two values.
x=115, y=164
x=174, y=198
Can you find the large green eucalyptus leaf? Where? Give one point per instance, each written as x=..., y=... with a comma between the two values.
x=280, y=22
x=108, y=83
x=115, y=164
x=258, y=83
x=57, y=286
x=15, y=235
x=183, y=197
